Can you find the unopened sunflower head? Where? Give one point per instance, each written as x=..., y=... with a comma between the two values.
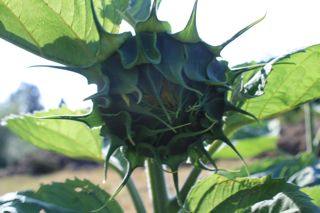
x=164, y=96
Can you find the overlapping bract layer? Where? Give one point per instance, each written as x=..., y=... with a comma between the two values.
x=164, y=95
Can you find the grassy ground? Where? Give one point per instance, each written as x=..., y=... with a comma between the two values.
x=15, y=183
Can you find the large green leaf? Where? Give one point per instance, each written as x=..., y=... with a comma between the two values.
x=71, y=138
x=314, y=193
x=248, y=147
x=73, y=196
x=281, y=202
x=62, y=31
x=220, y=194
x=294, y=80
x=277, y=167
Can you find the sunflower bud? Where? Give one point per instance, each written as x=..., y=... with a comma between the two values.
x=164, y=96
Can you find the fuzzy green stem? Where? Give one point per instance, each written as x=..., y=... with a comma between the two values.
x=309, y=126
x=215, y=146
x=135, y=196
x=192, y=178
x=157, y=186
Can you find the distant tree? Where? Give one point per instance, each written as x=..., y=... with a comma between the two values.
x=62, y=103
x=27, y=98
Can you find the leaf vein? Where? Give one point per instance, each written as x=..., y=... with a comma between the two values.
x=24, y=26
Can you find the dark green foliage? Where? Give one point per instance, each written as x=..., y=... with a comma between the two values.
x=73, y=196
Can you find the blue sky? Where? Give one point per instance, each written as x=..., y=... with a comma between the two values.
x=289, y=25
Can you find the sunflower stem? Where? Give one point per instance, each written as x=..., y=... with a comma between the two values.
x=135, y=196
x=192, y=179
x=157, y=186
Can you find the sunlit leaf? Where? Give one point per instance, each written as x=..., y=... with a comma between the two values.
x=107, y=17
x=62, y=31
x=294, y=80
x=109, y=13
x=314, y=193
x=220, y=194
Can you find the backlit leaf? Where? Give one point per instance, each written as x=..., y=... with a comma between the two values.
x=71, y=138
x=109, y=13
x=62, y=31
